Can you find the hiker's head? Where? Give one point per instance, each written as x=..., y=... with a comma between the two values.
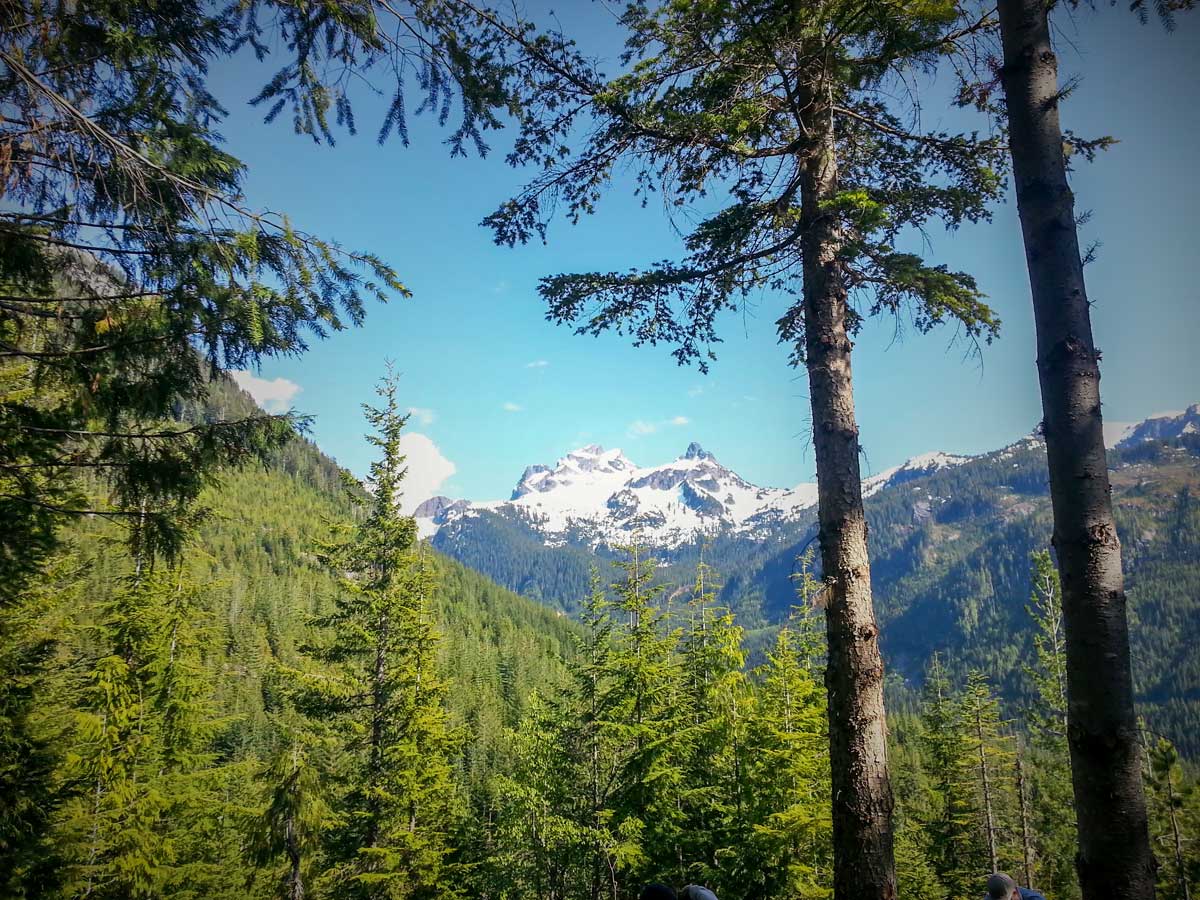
x=656, y=892
x=696, y=892
x=1001, y=887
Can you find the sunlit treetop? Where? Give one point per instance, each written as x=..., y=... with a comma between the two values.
x=722, y=105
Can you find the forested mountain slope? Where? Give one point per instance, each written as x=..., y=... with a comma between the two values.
x=951, y=548
x=254, y=557
x=535, y=698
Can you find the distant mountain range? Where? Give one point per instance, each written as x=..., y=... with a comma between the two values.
x=594, y=496
x=950, y=537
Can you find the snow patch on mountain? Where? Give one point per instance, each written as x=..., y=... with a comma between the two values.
x=917, y=467
x=597, y=495
x=593, y=495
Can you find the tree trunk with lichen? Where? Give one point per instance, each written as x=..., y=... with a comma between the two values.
x=864, y=866
x=1115, y=861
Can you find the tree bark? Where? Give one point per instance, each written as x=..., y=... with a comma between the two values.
x=1115, y=861
x=989, y=819
x=1181, y=873
x=864, y=864
x=295, y=876
x=1026, y=847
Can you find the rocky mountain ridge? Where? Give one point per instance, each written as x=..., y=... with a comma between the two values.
x=593, y=495
x=1164, y=427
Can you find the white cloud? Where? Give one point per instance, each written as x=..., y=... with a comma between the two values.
x=680, y=420
x=537, y=364
x=696, y=391
x=509, y=406
x=422, y=414
x=274, y=395
x=428, y=470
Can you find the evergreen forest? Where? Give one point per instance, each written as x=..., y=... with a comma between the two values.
x=232, y=668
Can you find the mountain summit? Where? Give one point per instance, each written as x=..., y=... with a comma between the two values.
x=593, y=495
x=598, y=495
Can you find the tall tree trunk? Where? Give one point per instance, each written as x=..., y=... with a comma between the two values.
x=1115, y=861
x=1181, y=873
x=989, y=819
x=864, y=862
x=1026, y=844
x=378, y=715
x=295, y=876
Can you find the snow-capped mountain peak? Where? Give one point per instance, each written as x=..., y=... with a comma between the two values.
x=586, y=466
x=601, y=495
x=593, y=495
x=914, y=467
x=596, y=495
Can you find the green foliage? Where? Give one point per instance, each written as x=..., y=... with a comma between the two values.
x=147, y=733
x=1174, y=809
x=1049, y=677
x=32, y=736
x=663, y=760
x=950, y=566
x=133, y=273
x=295, y=816
x=141, y=780
x=1050, y=797
x=722, y=100
x=787, y=830
x=240, y=782
x=955, y=842
x=381, y=693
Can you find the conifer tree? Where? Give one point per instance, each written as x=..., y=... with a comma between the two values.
x=993, y=757
x=956, y=848
x=546, y=841
x=386, y=697
x=1049, y=783
x=1027, y=863
x=34, y=736
x=132, y=271
x=916, y=803
x=642, y=717
x=296, y=813
x=592, y=676
x=774, y=104
x=1178, y=860
x=710, y=738
x=144, y=723
x=787, y=849
x=1049, y=677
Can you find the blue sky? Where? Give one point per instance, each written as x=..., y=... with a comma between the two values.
x=496, y=387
